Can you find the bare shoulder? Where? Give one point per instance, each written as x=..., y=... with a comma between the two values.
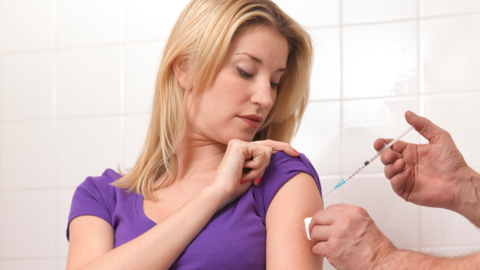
x=287, y=243
x=90, y=237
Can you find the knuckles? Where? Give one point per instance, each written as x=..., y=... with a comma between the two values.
x=235, y=143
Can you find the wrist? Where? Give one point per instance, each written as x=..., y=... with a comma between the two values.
x=214, y=196
x=405, y=259
x=469, y=197
x=385, y=254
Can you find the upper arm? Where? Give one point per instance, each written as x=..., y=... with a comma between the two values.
x=90, y=237
x=287, y=244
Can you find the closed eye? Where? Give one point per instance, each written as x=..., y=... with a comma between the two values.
x=244, y=74
x=274, y=86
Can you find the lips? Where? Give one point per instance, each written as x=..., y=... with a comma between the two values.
x=252, y=117
x=252, y=120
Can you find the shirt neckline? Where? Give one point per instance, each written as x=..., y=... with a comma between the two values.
x=141, y=213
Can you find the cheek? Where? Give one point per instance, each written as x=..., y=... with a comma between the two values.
x=274, y=99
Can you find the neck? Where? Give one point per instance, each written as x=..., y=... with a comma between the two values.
x=198, y=156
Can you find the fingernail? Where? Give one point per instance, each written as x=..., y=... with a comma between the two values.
x=295, y=150
x=244, y=181
x=259, y=179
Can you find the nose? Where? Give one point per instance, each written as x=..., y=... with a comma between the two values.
x=263, y=94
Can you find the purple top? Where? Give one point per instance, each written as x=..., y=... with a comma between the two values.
x=235, y=237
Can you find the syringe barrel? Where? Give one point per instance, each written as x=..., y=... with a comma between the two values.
x=355, y=172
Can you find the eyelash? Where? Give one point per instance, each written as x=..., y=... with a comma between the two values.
x=248, y=75
x=244, y=74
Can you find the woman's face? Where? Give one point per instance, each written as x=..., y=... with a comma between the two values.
x=244, y=90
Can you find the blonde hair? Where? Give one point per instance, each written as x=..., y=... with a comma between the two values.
x=202, y=35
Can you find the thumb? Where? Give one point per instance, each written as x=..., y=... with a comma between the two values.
x=422, y=125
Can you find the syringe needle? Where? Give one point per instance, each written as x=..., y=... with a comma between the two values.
x=344, y=180
x=328, y=193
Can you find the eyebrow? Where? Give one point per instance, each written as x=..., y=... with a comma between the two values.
x=258, y=60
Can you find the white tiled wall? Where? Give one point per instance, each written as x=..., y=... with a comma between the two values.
x=77, y=77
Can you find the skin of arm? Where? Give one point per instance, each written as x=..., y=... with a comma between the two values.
x=92, y=238
x=433, y=174
x=349, y=239
x=287, y=244
x=403, y=259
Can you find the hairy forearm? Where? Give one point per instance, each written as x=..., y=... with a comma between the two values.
x=159, y=247
x=470, y=198
x=403, y=259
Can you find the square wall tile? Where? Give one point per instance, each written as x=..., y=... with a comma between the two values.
x=447, y=112
x=365, y=11
x=364, y=121
x=151, y=19
x=61, y=264
x=87, y=147
x=312, y=13
x=27, y=155
x=319, y=136
x=26, y=25
x=327, y=265
x=136, y=128
x=451, y=251
x=440, y=227
x=398, y=220
x=64, y=201
x=142, y=63
x=26, y=86
x=325, y=80
x=89, y=22
x=448, y=7
x=449, y=53
x=28, y=265
x=27, y=224
x=89, y=82
x=380, y=60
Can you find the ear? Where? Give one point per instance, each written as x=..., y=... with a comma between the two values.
x=179, y=67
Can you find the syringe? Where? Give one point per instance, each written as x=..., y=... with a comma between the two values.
x=344, y=180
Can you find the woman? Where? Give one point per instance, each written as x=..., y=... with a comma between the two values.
x=234, y=78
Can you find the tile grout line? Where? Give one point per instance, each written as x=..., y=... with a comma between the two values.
x=309, y=27
x=83, y=47
x=87, y=117
x=40, y=189
x=1, y=190
x=123, y=74
x=420, y=107
x=68, y=118
x=55, y=127
x=342, y=137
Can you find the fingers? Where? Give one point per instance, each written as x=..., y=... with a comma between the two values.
x=320, y=233
x=320, y=249
x=399, y=181
x=388, y=156
x=392, y=169
x=423, y=126
x=279, y=146
x=258, y=164
x=380, y=143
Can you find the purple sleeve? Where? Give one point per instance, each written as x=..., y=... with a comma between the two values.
x=94, y=197
x=281, y=169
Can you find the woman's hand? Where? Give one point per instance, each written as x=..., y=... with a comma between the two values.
x=254, y=157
